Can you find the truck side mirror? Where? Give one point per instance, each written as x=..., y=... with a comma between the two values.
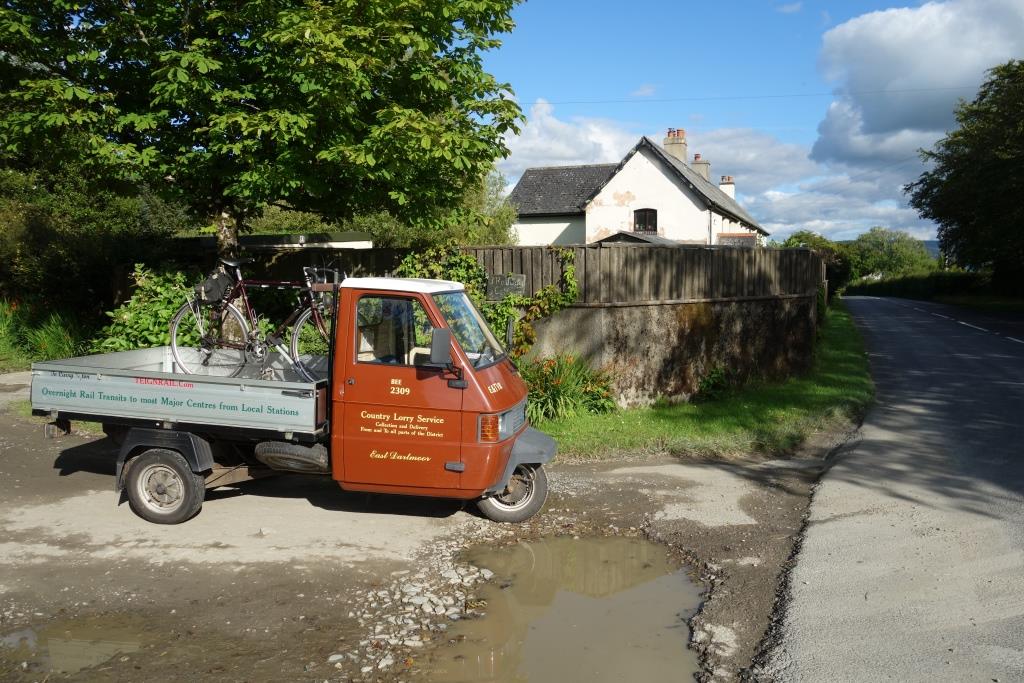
x=441, y=347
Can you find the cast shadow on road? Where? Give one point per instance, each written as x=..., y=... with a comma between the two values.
x=100, y=456
x=95, y=457
x=324, y=493
x=947, y=426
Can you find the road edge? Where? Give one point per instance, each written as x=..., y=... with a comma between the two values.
x=771, y=646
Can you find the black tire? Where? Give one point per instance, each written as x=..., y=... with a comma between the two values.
x=292, y=457
x=206, y=340
x=309, y=348
x=523, y=498
x=162, y=488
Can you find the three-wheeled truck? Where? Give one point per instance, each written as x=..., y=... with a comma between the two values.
x=417, y=398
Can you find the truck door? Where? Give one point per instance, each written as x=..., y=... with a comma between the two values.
x=402, y=424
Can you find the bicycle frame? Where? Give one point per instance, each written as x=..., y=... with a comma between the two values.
x=306, y=300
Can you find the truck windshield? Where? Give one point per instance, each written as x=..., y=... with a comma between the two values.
x=470, y=328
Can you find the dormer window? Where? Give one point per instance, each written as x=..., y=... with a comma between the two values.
x=645, y=221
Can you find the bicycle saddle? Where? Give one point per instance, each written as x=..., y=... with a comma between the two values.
x=235, y=263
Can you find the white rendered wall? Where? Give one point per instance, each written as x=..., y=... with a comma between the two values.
x=721, y=224
x=645, y=183
x=543, y=231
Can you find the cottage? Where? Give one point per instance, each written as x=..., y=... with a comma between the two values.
x=653, y=191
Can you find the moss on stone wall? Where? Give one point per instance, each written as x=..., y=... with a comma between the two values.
x=664, y=351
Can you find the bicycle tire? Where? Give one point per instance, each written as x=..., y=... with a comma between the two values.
x=197, y=334
x=309, y=348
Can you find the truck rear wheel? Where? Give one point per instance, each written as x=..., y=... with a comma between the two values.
x=522, y=498
x=162, y=488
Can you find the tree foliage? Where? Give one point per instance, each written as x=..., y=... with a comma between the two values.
x=63, y=238
x=877, y=252
x=838, y=265
x=974, y=186
x=333, y=106
x=483, y=217
x=888, y=253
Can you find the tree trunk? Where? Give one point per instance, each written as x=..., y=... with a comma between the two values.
x=227, y=235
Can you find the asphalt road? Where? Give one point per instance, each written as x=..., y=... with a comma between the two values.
x=912, y=568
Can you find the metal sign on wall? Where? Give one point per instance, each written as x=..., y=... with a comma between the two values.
x=500, y=286
x=737, y=240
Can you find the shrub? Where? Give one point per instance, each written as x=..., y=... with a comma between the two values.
x=565, y=386
x=714, y=385
x=12, y=353
x=56, y=336
x=143, y=321
x=924, y=285
x=26, y=336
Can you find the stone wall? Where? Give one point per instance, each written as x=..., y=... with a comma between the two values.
x=664, y=350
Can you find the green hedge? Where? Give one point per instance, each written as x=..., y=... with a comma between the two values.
x=924, y=285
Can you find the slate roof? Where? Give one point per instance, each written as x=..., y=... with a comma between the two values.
x=559, y=190
x=565, y=190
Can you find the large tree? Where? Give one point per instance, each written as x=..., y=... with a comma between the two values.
x=890, y=253
x=332, y=106
x=973, y=190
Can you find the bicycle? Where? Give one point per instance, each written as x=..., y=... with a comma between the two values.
x=216, y=338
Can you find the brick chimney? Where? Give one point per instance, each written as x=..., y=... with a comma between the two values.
x=675, y=143
x=701, y=166
x=728, y=186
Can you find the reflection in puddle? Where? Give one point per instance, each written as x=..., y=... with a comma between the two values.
x=608, y=609
x=70, y=646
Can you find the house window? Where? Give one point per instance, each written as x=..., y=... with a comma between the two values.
x=645, y=221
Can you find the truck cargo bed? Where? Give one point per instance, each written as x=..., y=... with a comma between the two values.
x=142, y=387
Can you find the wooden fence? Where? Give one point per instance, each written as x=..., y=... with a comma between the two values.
x=622, y=275
x=608, y=274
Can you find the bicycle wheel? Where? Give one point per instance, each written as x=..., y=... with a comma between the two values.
x=206, y=340
x=310, y=346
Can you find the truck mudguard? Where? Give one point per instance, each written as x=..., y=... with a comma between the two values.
x=195, y=449
x=531, y=448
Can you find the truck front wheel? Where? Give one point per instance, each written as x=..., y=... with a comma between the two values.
x=522, y=498
x=162, y=488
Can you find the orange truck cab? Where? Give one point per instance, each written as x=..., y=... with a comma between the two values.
x=414, y=395
x=424, y=401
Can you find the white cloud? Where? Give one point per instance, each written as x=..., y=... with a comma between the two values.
x=549, y=141
x=645, y=90
x=834, y=214
x=900, y=72
x=758, y=160
x=790, y=8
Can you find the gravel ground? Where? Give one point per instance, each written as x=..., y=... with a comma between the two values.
x=291, y=578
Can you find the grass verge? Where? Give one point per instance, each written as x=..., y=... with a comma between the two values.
x=770, y=418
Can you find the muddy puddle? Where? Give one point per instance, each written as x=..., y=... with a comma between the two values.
x=69, y=646
x=563, y=609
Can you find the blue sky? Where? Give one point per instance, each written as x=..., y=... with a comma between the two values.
x=817, y=108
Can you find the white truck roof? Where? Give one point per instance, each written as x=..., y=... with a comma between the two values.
x=403, y=284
